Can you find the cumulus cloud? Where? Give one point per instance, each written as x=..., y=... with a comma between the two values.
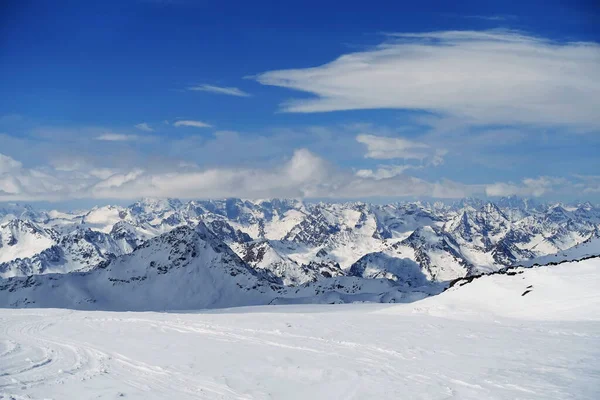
x=489, y=77
x=304, y=175
x=20, y=183
x=144, y=127
x=229, y=91
x=190, y=123
x=116, y=137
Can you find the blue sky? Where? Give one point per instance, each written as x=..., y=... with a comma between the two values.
x=196, y=99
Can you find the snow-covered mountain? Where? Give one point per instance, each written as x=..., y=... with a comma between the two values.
x=437, y=253
x=589, y=248
x=79, y=250
x=262, y=256
x=23, y=238
x=10, y=211
x=297, y=243
x=383, y=266
x=187, y=268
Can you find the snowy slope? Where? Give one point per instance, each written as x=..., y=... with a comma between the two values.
x=103, y=218
x=590, y=247
x=483, y=340
x=568, y=291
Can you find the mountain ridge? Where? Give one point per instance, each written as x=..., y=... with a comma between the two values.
x=297, y=243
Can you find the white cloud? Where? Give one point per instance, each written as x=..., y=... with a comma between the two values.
x=20, y=183
x=116, y=137
x=103, y=173
x=117, y=180
x=485, y=77
x=230, y=91
x=535, y=187
x=303, y=175
x=388, y=148
x=8, y=164
x=588, y=184
x=67, y=163
x=144, y=127
x=9, y=167
x=492, y=17
x=9, y=186
x=195, y=124
x=385, y=171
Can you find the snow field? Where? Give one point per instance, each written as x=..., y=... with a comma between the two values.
x=483, y=340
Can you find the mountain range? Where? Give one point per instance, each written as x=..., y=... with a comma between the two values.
x=170, y=254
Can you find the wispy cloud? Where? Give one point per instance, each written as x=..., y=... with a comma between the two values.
x=190, y=123
x=385, y=171
x=481, y=77
x=230, y=91
x=387, y=148
x=535, y=187
x=588, y=184
x=144, y=127
x=116, y=137
x=496, y=18
x=10, y=118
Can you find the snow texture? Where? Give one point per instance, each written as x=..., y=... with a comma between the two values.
x=534, y=334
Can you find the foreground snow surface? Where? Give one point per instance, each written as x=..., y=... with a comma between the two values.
x=484, y=340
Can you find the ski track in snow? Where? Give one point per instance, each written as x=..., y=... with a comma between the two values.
x=484, y=340
x=31, y=357
x=329, y=352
